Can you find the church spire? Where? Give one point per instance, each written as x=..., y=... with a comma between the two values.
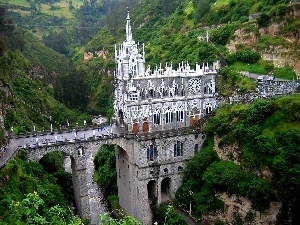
x=128, y=28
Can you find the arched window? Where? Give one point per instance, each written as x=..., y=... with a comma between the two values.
x=156, y=118
x=151, y=93
x=169, y=117
x=151, y=153
x=180, y=116
x=196, y=148
x=178, y=149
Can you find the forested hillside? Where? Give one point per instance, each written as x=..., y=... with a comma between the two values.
x=252, y=153
x=28, y=72
x=36, y=193
x=66, y=26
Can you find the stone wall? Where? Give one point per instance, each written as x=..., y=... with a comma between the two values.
x=164, y=166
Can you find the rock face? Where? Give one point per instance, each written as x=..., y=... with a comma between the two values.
x=5, y=104
x=279, y=54
x=238, y=207
x=227, y=152
x=89, y=55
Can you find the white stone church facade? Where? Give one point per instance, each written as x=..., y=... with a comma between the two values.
x=148, y=100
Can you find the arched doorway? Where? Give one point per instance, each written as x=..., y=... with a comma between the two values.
x=151, y=189
x=121, y=118
x=145, y=125
x=165, y=190
x=152, y=194
x=135, y=126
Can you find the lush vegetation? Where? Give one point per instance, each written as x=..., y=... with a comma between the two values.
x=230, y=82
x=106, y=174
x=165, y=214
x=46, y=202
x=33, y=210
x=267, y=134
x=33, y=99
x=40, y=84
x=106, y=219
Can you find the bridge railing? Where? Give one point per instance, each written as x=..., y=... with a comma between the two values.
x=126, y=135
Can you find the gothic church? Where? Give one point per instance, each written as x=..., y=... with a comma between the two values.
x=148, y=100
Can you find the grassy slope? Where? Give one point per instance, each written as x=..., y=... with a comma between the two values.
x=63, y=6
x=62, y=10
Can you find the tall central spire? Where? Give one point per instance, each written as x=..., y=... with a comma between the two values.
x=128, y=28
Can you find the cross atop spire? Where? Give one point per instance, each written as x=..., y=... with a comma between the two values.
x=128, y=28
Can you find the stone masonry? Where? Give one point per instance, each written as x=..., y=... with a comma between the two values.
x=149, y=167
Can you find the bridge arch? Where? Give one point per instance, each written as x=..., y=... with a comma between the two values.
x=165, y=189
x=152, y=191
x=38, y=153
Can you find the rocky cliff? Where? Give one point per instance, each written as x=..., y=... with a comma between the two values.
x=238, y=207
x=6, y=103
x=283, y=47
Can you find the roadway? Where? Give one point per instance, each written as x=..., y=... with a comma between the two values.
x=49, y=138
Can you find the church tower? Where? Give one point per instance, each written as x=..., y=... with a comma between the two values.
x=152, y=106
x=163, y=99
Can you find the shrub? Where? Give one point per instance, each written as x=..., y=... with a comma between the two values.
x=222, y=35
x=278, y=10
x=247, y=56
x=264, y=20
x=165, y=214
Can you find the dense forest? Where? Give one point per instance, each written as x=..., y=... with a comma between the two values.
x=45, y=79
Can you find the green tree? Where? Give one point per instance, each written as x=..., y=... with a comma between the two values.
x=202, y=7
x=221, y=35
x=32, y=210
x=165, y=214
x=71, y=89
x=105, y=166
x=126, y=220
x=263, y=20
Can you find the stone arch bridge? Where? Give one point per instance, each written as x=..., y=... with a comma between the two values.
x=149, y=166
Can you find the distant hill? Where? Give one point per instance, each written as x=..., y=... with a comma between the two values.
x=29, y=70
x=236, y=30
x=65, y=25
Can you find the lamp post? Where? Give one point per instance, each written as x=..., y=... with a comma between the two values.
x=191, y=193
x=51, y=128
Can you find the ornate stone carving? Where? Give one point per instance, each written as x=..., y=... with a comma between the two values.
x=195, y=87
